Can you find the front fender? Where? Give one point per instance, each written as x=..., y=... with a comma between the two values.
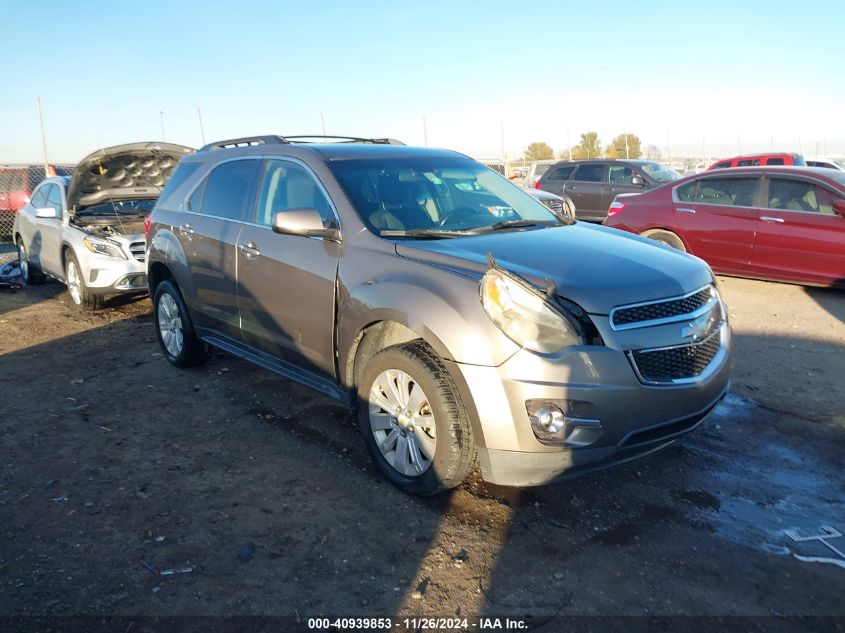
x=446, y=313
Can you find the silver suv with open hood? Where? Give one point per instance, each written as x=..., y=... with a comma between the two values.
x=87, y=230
x=464, y=322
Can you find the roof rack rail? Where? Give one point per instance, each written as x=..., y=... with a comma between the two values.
x=311, y=138
x=245, y=141
x=248, y=141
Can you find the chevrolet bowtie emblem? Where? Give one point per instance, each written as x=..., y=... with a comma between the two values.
x=699, y=328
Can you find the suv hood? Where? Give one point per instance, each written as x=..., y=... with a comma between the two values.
x=597, y=267
x=135, y=171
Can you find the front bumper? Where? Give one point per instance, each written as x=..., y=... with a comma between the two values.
x=595, y=384
x=110, y=275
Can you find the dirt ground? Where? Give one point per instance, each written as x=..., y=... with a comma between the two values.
x=110, y=459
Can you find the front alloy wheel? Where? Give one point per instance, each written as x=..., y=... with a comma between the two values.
x=402, y=422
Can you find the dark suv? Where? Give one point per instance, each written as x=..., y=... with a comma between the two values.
x=593, y=184
x=449, y=308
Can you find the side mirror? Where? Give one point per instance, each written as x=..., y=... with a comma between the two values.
x=46, y=212
x=305, y=222
x=839, y=207
x=638, y=180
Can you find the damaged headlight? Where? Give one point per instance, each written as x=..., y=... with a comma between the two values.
x=103, y=247
x=525, y=316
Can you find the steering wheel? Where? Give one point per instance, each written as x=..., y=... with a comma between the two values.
x=458, y=212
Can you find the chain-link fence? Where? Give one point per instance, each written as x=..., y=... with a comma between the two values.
x=16, y=185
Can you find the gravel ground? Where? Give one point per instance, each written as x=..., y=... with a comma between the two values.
x=110, y=459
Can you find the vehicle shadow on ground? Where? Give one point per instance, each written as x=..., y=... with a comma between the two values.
x=264, y=489
x=831, y=299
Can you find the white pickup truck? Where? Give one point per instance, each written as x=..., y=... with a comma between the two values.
x=87, y=230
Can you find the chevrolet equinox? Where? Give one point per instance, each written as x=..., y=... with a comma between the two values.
x=464, y=323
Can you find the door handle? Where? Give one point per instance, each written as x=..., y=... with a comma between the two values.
x=684, y=210
x=768, y=218
x=250, y=250
x=611, y=189
x=186, y=229
x=571, y=187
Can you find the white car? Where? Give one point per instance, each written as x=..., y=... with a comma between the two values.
x=829, y=163
x=87, y=230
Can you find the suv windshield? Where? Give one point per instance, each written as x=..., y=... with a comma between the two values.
x=435, y=196
x=659, y=172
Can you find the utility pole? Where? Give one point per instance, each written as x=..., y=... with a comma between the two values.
x=738, y=143
x=43, y=138
x=161, y=120
x=668, y=150
x=323, y=123
x=502, y=130
x=425, y=133
x=568, y=145
x=625, y=134
x=202, y=129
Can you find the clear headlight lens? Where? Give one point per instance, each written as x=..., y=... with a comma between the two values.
x=524, y=316
x=103, y=247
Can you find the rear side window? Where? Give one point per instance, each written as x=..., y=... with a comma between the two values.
x=286, y=186
x=799, y=195
x=686, y=193
x=182, y=173
x=721, y=165
x=561, y=173
x=774, y=161
x=735, y=192
x=590, y=173
x=226, y=190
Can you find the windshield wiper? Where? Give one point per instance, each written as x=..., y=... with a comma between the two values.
x=515, y=224
x=425, y=233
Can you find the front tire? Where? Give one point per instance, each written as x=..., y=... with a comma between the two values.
x=174, y=329
x=80, y=295
x=413, y=420
x=30, y=275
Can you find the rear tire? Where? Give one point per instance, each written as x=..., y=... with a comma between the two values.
x=174, y=328
x=666, y=237
x=30, y=275
x=414, y=423
x=80, y=295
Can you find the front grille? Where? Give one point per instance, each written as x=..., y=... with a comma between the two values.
x=663, y=366
x=661, y=309
x=138, y=250
x=555, y=205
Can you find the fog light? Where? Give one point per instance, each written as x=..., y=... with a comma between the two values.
x=547, y=421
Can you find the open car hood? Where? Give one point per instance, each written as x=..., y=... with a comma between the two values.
x=134, y=171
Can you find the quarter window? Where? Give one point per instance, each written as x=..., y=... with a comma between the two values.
x=686, y=193
x=286, y=186
x=561, y=173
x=182, y=173
x=590, y=173
x=799, y=195
x=735, y=192
x=226, y=190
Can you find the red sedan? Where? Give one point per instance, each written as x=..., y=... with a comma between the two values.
x=776, y=223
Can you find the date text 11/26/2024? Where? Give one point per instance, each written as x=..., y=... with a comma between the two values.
x=417, y=624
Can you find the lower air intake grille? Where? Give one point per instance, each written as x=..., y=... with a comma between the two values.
x=676, y=363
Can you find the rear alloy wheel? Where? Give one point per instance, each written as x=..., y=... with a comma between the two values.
x=666, y=237
x=174, y=328
x=413, y=421
x=80, y=294
x=30, y=274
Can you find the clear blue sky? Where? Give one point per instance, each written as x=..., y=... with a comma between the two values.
x=716, y=76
